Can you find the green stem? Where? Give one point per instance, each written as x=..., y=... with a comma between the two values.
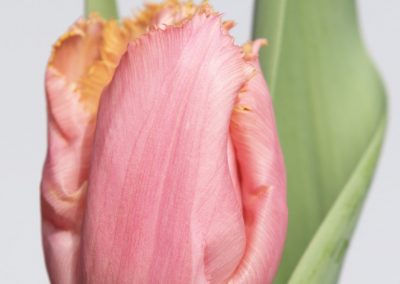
x=105, y=8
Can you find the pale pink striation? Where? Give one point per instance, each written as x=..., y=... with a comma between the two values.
x=64, y=181
x=263, y=179
x=161, y=204
x=186, y=181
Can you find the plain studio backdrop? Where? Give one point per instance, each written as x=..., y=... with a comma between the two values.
x=28, y=28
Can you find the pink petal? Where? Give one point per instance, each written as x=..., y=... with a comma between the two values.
x=76, y=74
x=64, y=182
x=162, y=205
x=263, y=180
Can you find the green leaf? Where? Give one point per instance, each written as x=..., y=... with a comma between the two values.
x=322, y=260
x=331, y=111
x=105, y=8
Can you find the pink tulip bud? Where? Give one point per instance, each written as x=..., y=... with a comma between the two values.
x=178, y=176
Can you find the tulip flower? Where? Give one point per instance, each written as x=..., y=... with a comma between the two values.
x=163, y=164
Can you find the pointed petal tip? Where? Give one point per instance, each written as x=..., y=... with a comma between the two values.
x=252, y=49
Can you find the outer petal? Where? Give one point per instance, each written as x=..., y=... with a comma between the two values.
x=70, y=138
x=82, y=64
x=263, y=180
x=64, y=179
x=162, y=206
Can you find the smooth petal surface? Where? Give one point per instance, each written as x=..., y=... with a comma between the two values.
x=162, y=205
x=263, y=179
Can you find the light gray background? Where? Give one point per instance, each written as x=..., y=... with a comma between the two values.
x=27, y=30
